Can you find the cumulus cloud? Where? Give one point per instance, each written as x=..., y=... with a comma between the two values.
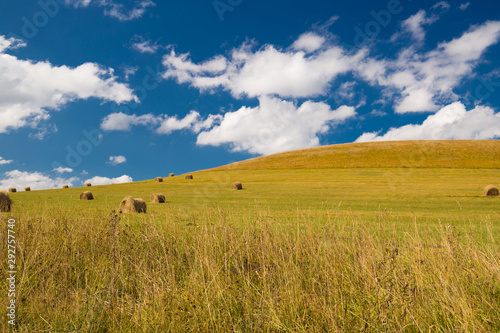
x=417, y=81
x=10, y=43
x=123, y=122
x=421, y=82
x=414, y=25
x=63, y=170
x=274, y=126
x=115, y=9
x=115, y=160
x=164, y=124
x=4, y=161
x=267, y=71
x=30, y=90
x=309, y=42
x=449, y=123
x=192, y=121
x=35, y=180
x=107, y=181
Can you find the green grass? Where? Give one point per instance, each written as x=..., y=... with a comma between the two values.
x=379, y=245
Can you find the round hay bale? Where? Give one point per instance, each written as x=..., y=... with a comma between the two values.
x=65, y=186
x=236, y=186
x=87, y=195
x=189, y=177
x=159, y=179
x=171, y=175
x=27, y=189
x=5, y=202
x=491, y=191
x=158, y=198
x=88, y=185
x=132, y=205
x=12, y=190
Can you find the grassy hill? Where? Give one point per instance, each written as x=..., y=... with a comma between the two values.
x=430, y=178
x=483, y=154
x=390, y=236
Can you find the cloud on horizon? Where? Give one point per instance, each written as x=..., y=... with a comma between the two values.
x=97, y=180
x=36, y=180
x=452, y=122
x=273, y=126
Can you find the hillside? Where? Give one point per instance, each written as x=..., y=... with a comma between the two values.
x=409, y=154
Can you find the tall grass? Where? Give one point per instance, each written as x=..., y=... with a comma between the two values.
x=257, y=270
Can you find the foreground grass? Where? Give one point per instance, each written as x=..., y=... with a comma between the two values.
x=257, y=269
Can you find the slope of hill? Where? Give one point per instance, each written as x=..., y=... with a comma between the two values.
x=409, y=154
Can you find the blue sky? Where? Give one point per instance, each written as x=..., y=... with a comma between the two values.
x=114, y=91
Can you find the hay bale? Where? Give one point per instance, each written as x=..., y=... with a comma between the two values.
x=88, y=185
x=189, y=177
x=236, y=186
x=12, y=190
x=159, y=179
x=5, y=202
x=27, y=189
x=171, y=175
x=132, y=205
x=65, y=186
x=158, y=198
x=87, y=195
x=491, y=191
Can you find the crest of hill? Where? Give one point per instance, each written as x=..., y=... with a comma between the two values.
x=484, y=154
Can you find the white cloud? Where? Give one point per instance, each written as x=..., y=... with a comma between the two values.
x=4, y=161
x=423, y=81
x=144, y=45
x=416, y=81
x=164, y=124
x=264, y=72
x=107, y=181
x=129, y=71
x=30, y=90
x=378, y=113
x=116, y=10
x=192, y=121
x=309, y=42
x=63, y=170
x=442, y=5
x=274, y=126
x=450, y=123
x=115, y=160
x=124, y=122
x=35, y=180
x=10, y=43
x=464, y=6
x=414, y=25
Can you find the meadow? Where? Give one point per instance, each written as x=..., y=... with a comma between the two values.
x=391, y=237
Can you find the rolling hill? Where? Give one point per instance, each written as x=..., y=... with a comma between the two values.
x=483, y=154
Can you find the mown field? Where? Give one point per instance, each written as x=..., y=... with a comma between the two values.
x=392, y=237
